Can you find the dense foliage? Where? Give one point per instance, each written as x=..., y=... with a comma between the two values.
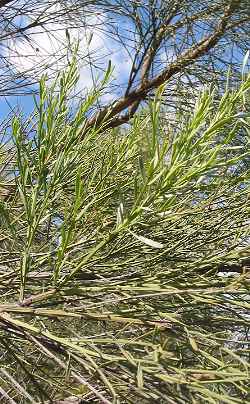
x=124, y=254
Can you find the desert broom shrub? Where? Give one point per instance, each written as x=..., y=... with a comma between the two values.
x=124, y=253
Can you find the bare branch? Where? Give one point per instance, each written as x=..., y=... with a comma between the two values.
x=5, y=2
x=187, y=58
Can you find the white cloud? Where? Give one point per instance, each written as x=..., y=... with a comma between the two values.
x=49, y=48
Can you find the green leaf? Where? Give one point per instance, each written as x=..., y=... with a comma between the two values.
x=139, y=376
x=147, y=241
x=245, y=61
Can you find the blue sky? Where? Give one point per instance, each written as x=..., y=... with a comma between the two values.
x=21, y=103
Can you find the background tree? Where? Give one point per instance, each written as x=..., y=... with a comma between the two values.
x=188, y=43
